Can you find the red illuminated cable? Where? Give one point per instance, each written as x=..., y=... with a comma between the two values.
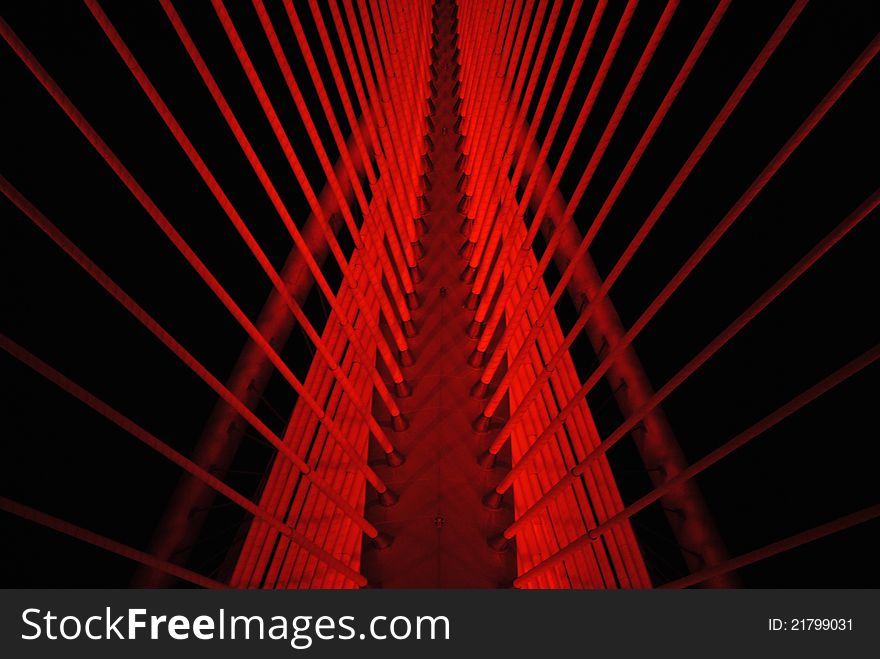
x=800, y=134
x=793, y=274
x=399, y=142
x=339, y=139
x=499, y=189
x=172, y=344
x=387, y=145
x=563, y=384
x=722, y=339
x=608, y=58
x=44, y=224
x=500, y=350
x=476, y=141
x=397, y=112
x=493, y=112
x=262, y=175
x=503, y=81
x=504, y=187
x=303, y=433
x=386, y=183
x=391, y=46
x=677, y=182
x=166, y=451
x=396, y=30
x=292, y=158
x=240, y=225
x=511, y=48
x=495, y=277
x=532, y=80
x=462, y=49
x=538, y=65
x=471, y=45
x=368, y=254
x=323, y=158
x=598, y=152
x=488, y=25
x=378, y=185
x=317, y=517
x=754, y=189
x=860, y=213
x=408, y=29
x=478, y=164
x=792, y=542
x=398, y=117
x=486, y=104
x=648, y=135
x=412, y=53
x=92, y=538
x=551, y=465
x=167, y=228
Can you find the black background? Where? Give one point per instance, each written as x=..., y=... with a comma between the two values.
x=60, y=457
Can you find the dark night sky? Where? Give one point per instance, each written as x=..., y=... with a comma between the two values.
x=62, y=458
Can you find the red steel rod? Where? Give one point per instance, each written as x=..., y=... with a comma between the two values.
x=380, y=186
x=500, y=350
x=799, y=135
x=486, y=212
x=368, y=254
x=187, y=358
x=166, y=451
x=371, y=251
x=494, y=279
x=792, y=542
x=401, y=386
x=388, y=146
x=241, y=227
x=722, y=339
x=401, y=73
x=292, y=158
x=778, y=160
x=504, y=188
x=486, y=103
x=657, y=445
x=108, y=544
x=667, y=196
x=780, y=286
x=398, y=111
x=598, y=152
x=182, y=520
x=165, y=225
x=586, y=108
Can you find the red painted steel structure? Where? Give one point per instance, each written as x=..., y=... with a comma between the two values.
x=435, y=111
